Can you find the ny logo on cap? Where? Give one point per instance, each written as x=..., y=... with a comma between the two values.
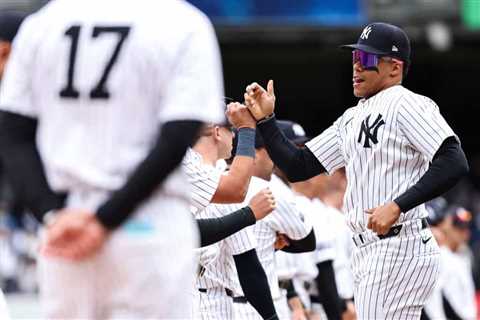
x=366, y=32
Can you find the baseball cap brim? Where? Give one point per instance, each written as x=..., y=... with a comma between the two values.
x=362, y=47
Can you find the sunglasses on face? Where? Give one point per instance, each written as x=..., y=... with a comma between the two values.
x=369, y=60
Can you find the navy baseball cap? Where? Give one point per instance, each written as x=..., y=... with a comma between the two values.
x=293, y=131
x=10, y=22
x=383, y=39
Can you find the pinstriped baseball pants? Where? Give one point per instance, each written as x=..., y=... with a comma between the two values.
x=395, y=276
x=215, y=305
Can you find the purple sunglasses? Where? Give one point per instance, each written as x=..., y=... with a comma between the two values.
x=368, y=60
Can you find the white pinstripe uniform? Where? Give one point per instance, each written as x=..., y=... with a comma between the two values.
x=3, y=307
x=203, y=179
x=386, y=143
x=101, y=76
x=219, y=271
x=218, y=267
x=286, y=219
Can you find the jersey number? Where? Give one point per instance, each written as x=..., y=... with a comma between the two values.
x=99, y=91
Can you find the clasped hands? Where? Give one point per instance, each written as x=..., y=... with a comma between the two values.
x=73, y=234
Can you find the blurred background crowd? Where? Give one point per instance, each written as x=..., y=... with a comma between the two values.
x=296, y=44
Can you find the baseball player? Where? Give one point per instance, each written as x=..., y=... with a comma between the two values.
x=226, y=267
x=210, y=184
x=398, y=152
x=100, y=101
x=286, y=219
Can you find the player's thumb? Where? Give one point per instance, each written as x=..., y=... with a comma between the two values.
x=270, y=87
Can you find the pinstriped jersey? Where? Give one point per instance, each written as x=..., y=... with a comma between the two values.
x=385, y=143
x=217, y=259
x=102, y=76
x=286, y=219
x=203, y=179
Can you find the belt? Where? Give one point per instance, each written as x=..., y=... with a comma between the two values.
x=284, y=284
x=227, y=291
x=240, y=299
x=394, y=231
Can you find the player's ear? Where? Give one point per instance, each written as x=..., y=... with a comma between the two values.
x=397, y=68
x=216, y=133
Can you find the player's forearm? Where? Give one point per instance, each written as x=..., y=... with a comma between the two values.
x=325, y=281
x=23, y=166
x=298, y=164
x=306, y=244
x=173, y=141
x=448, y=166
x=255, y=284
x=233, y=186
x=215, y=229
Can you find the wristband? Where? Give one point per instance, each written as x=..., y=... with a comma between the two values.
x=246, y=142
x=265, y=119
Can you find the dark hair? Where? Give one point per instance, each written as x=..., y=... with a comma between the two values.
x=10, y=22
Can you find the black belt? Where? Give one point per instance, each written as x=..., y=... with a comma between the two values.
x=227, y=291
x=284, y=284
x=240, y=299
x=394, y=231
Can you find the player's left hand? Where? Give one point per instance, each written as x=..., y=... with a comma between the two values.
x=74, y=236
x=382, y=218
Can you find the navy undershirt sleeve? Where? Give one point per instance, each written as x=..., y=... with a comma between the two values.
x=172, y=143
x=306, y=244
x=23, y=167
x=448, y=166
x=215, y=229
x=255, y=284
x=297, y=163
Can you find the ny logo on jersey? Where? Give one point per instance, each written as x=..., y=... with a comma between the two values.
x=370, y=131
x=366, y=32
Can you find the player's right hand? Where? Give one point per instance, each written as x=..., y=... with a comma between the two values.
x=239, y=116
x=259, y=101
x=262, y=203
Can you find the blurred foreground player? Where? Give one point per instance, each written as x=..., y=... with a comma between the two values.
x=100, y=102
